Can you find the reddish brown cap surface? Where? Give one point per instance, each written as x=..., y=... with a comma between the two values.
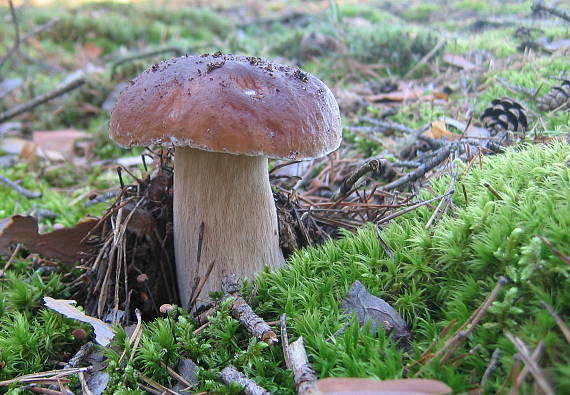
x=228, y=103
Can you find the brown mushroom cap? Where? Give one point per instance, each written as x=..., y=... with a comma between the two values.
x=229, y=103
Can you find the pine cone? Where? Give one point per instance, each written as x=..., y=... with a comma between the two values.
x=557, y=98
x=505, y=115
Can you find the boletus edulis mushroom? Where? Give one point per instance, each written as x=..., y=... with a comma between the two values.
x=225, y=115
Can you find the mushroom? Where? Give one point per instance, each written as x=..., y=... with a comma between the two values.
x=226, y=115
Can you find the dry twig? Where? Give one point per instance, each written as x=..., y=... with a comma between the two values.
x=245, y=314
x=19, y=189
x=533, y=367
x=231, y=375
x=36, y=101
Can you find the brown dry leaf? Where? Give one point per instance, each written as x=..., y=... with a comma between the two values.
x=402, y=95
x=459, y=61
x=91, y=51
x=58, y=143
x=347, y=386
x=63, y=244
x=438, y=130
x=103, y=332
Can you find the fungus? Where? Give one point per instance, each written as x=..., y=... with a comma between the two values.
x=225, y=122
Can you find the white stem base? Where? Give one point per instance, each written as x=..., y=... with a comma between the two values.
x=231, y=195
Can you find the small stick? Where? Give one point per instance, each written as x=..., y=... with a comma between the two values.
x=371, y=166
x=440, y=156
x=285, y=340
x=408, y=209
x=536, y=354
x=231, y=375
x=36, y=101
x=539, y=5
x=176, y=376
x=19, y=189
x=387, y=125
x=555, y=250
x=81, y=355
x=561, y=324
x=493, y=190
x=245, y=314
x=16, y=47
x=303, y=373
x=10, y=260
x=491, y=367
x=474, y=319
x=533, y=367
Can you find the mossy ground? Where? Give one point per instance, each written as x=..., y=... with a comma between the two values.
x=439, y=275
x=438, y=278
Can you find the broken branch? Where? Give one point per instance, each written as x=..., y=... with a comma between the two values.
x=245, y=314
x=41, y=99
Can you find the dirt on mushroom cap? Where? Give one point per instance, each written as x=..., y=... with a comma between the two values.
x=229, y=103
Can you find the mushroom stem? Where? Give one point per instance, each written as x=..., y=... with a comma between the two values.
x=232, y=196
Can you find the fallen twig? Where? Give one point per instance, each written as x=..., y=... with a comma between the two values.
x=303, y=373
x=491, y=367
x=36, y=101
x=19, y=189
x=439, y=156
x=533, y=367
x=525, y=371
x=371, y=166
x=473, y=321
x=245, y=314
x=231, y=375
x=387, y=125
x=408, y=209
x=297, y=361
x=15, y=48
x=461, y=334
x=539, y=5
x=555, y=250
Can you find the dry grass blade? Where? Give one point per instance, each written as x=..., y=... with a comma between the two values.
x=561, y=324
x=48, y=377
x=531, y=364
x=536, y=354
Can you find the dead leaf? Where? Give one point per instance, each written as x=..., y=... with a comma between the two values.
x=103, y=332
x=63, y=244
x=368, y=307
x=438, y=130
x=347, y=386
x=58, y=143
x=459, y=61
x=91, y=51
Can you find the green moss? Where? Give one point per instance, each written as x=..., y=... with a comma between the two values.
x=498, y=42
x=420, y=12
x=14, y=203
x=439, y=277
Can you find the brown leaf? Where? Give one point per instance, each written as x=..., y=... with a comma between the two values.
x=438, y=130
x=347, y=386
x=63, y=244
x=459, y=61
x=60, y=142
x=103, y=332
